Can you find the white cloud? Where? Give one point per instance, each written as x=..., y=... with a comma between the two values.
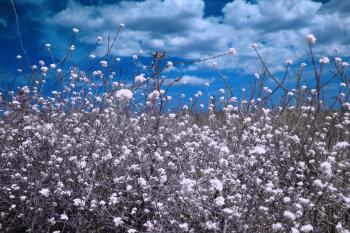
x=195, y=80
x=180, y=28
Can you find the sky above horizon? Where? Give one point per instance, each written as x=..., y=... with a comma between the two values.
x=185, y=29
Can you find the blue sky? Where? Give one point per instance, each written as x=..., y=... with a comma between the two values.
x=186, y=29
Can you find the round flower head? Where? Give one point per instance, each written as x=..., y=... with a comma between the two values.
x=310, y=38
x=44, y=69
x=170, y=64
x=140, y=78
x=337, y=59
x=75, y=30
x=104, y=64
x=124, y=95
x=289, y=62
x=47, y=45
x=255, y=45
x=231, y=51
x=214, y=64
x=18, y=57
x=154, y=95
x=324, y=60
x=122, y=25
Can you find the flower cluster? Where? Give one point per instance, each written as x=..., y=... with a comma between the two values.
x=93, y=157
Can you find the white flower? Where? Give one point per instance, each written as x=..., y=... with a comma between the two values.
x=52, y=66
x=45, y=192
x=44, y=69
x=345, y=64
x=75, y=30
x=222, y=91
x=64, y=217
x=310, y=38
x=170, y=64
x=303, y=65
x=214, y=64
x=342, y=145
x=216, y=184
x=231, y=51
x=326, y=168
x=117, y=221
x=307, y=228
x=277, y=226
x=187, y=185
x=99, y=38
x=289, y=215
x=289, y=62
x=104, y=64
x=47, y=45
x=255, y=45
x=92, y=56
x=259, y=149
x=18, y=57
x=72, y=47
x=122, y=25
x=78, y=202
x=134, y=57
x=324, y=60
x=142, y=182
x=124, y=94
x=219, y=201
x=206, y=84
x=154, y=95
x=211, y=226
x=184, y=226
x=337, y=59
x=257, y=76
x=140, y=78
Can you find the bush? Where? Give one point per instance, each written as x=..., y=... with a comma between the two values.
x=82, y=160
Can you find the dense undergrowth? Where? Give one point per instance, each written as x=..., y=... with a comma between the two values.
x=86, y=159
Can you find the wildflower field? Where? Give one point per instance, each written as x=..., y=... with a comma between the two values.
x=84, y=151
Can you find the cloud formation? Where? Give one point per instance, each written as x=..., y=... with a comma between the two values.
x=180, y=28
